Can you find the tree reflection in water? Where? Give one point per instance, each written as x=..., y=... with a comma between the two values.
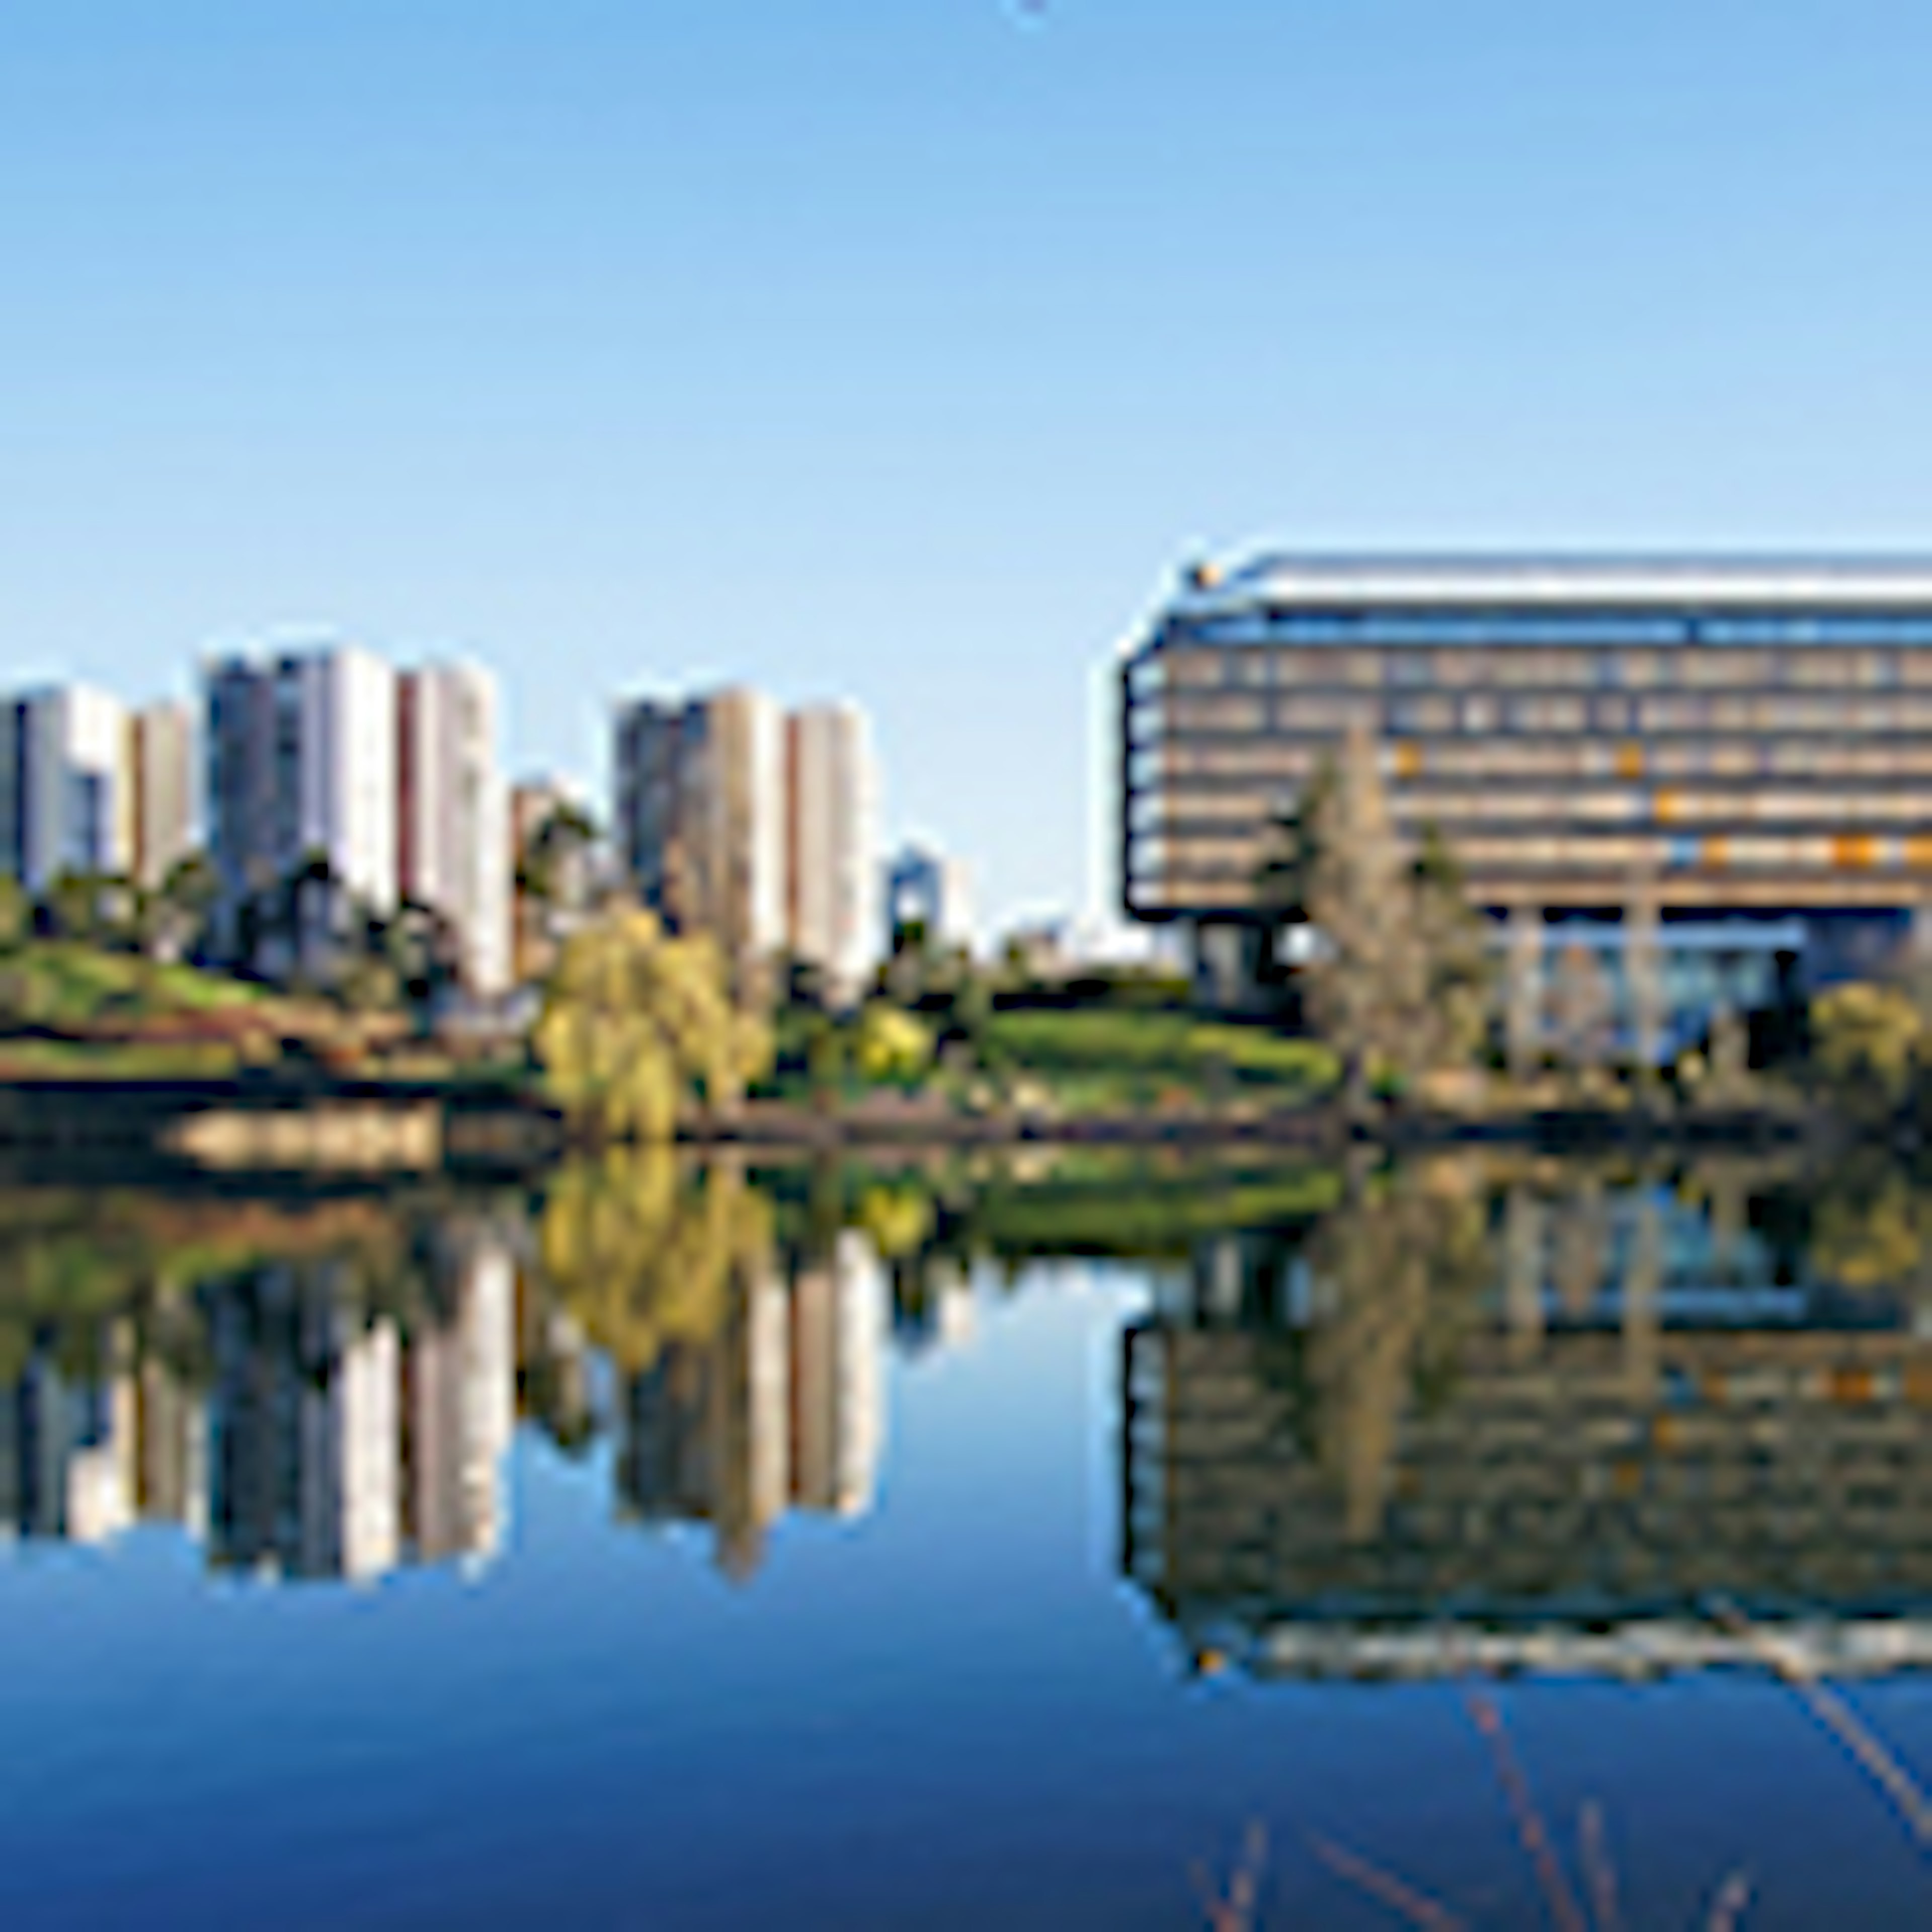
x=1545, y=1397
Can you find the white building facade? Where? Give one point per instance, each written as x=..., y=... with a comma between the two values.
x=454, y=853
x=162, y=791
x=65, y=800
x=927, y=893
x=700, y=816
x=301, y=766
x=832, y=813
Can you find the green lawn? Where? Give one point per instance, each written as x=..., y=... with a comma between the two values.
x=64, y=984
x=114, y=1060
x=1104, y=1058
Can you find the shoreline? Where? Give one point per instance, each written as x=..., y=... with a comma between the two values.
x=268, y=1126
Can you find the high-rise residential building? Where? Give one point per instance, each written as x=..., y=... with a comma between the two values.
x=1714, y=776
x=453, y=851
x=65, y=801
x=161, y=780
x=302, y=765
x=699, y=816
x=930, y=894
x=832, y=860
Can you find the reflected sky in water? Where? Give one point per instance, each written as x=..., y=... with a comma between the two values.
x=669, y=1549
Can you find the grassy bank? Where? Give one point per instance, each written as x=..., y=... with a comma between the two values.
x=1093, y=1062
x=1105, y=1061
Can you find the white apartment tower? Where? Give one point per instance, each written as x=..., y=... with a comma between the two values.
x=832, y=869
x=701, y=816
x=453, y=853
x=161, y=773
x=735, y=819
x=301, y=765
x=65, y=805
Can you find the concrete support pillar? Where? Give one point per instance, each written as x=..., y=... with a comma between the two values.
x=1523, y=990
x=1920, y=940
x=1643, y=977
x=1221, y=960
x=1223, y=1278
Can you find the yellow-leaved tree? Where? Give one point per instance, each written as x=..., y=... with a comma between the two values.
x=892, y=1043
x=636, y=1020
x=1868, y=1041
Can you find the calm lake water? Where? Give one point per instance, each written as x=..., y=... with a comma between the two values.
x=670, y=1549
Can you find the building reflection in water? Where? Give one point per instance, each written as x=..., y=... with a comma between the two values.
x=344, y=1439
x=305, y=1431
x=325, y=1392
x=1555, y=1419
x=782, y=1407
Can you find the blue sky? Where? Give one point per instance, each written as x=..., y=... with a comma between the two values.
x=900, y=348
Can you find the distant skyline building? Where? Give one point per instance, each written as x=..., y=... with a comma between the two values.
x=832, y=843
x=66, y=805
x=560, y=867
x=535, y=802
x=932, y=893
x=453, y=849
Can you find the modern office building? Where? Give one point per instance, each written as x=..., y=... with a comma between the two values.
x=161, y=789
x=65, y=801
x=700, y=816
x=302, y=765
x=1737, y=752
x=832, y=843
x=453, y=852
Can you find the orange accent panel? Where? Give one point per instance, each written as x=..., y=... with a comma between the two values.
x=1852, y=1385
x=1856, y=850
x=1716, y=852
x=1408, y=760
x=1663, y=804
x=1630, y=761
